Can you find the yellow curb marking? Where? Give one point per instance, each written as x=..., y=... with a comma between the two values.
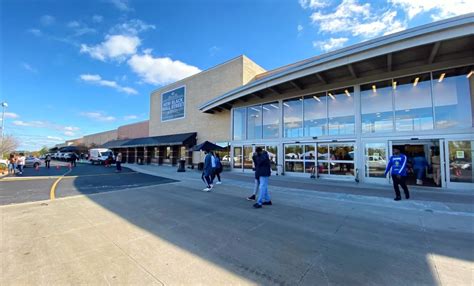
x=16, y=179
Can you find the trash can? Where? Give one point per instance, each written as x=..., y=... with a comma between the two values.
x=181, y=166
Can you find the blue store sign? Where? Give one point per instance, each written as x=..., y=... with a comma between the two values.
x=173, y=104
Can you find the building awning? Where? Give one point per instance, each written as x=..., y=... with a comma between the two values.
x=187, y=139
x=446, y=42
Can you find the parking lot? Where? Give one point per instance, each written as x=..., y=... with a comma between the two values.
x=62, y=181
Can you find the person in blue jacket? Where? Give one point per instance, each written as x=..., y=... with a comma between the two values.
x=207, y=171
x=398, y=166
x=419, y=166
x=262, y=172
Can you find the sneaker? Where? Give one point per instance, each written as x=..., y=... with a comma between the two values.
x=269, y=203
x=212, y=186
x=206, y=190
x=251, y=198
x=397, y=199
x=257, y=206
x=218, y=183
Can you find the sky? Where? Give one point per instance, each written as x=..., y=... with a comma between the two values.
x=72, y=68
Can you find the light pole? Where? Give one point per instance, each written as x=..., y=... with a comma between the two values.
x=4, y=106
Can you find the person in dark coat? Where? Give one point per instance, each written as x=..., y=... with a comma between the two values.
x=262, y=172
x=73, y=159
x=207, y=171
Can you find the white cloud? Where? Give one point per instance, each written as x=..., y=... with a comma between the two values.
x=114, y=47
x=331, y=44
x=73, y=24
x=440, y=8
x=11, y=115
x=28, y=67
x=97, y=79
x=97, y=18
x=54, y=138
x=313, y=4
x=214, y=50
x=356, y=19
x=132, y=27
x=160, y=70
x=71, y=128
x=47, y=20
x=36, y=32
x=36, y=124
x=130, y=117
x=80, y=28
x=299, y=28
x=69, y=133
x=98, y=116
x=122, y=5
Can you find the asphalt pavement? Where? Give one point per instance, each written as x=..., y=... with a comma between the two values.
x=62, y=181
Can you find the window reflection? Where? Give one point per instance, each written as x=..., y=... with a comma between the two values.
x=413, y=107
x=239, y=124
x=315, y=115
x=237, y=157
x=293, y=117
x=254, y=122
x=376, y=107
x=271, y=120
x=452, y=95
x=341, y=111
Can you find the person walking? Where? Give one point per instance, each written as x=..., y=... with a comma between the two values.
x=118, y=162
x=398, y=167
x=419, y=167
x=73, y=159
x=263, y=172
x=216, y=172
x=257, y=181
x=11, y=164
x=47, y=161
x=207, y=171
x=436, y=163
x=21, y=163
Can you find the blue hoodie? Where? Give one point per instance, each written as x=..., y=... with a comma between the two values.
x=398, y=164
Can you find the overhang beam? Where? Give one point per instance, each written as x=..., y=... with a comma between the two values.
x=274, y=90
x=389, y=62
x=321, y=78
x=352, y=71
x=297, y=85
x=434, y=52
x=259, y=94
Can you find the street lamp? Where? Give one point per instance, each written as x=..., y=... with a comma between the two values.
x=4, y=106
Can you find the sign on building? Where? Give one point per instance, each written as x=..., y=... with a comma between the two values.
x=173, y=104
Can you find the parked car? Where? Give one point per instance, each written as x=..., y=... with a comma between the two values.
x=32, y=162
x=99, y=155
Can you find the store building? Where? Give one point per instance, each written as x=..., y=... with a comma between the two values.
x=339, y=115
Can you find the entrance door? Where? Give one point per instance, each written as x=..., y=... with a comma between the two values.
x=424, y=165
x=375, y=161
x=460, y=159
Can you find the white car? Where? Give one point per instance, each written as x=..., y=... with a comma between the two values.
x=99, y=155
x=32, y=162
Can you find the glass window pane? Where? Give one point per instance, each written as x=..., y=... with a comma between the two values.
x=323, y=152
x=342, y=152
x=341, y=111
x=376, y=107
x=254, y=122
x=309, y=152
x=323, y=168
x=345, y=169
x=460, y=161
x=413, y=108
x=248, y=153
x=273, y=154
x=271, y=120
x=293, y=152
x=293, y=117
x=238, y=157
x=292, y=166
x=375, y=159
x=453, y=93
x=239, y=124
x=315, y=115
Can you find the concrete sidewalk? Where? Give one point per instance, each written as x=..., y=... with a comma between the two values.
x=429, y=199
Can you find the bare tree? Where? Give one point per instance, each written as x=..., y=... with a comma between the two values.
x=8, y=144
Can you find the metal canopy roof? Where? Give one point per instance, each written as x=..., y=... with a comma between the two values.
x=439, y=42
x=188, y=139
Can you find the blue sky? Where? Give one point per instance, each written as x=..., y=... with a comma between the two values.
x=72, y=68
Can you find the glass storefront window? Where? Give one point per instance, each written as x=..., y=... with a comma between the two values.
x=294, y=158
x=248, y=153
x=375, y=160
x=254, y=122
x=271, y=120
x=341, y=111
x=413, y=107
x=239, y=124
x=461, y=154
x=315, y=115
x=336, y=159
x=237, y=157
x=224, y=155
x=293, y=117
x=453, y=93
x=377, y=107
x=273, y=154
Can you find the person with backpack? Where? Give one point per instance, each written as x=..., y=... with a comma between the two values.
x=217, y=169
x=47, y=160
x=262, y=172
x=207, y=171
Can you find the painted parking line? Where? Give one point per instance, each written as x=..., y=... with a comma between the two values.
x=16, y=179
x=52, y=192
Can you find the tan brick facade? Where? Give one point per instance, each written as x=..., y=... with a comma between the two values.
x=100, y=138
x=134, y=130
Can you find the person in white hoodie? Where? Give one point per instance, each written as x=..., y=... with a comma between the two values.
x=21, y=163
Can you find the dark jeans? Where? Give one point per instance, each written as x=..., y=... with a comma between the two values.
x=400, y=180
x=216, y=172
x=47, y=163
x=119, y=166
x=206, y=179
